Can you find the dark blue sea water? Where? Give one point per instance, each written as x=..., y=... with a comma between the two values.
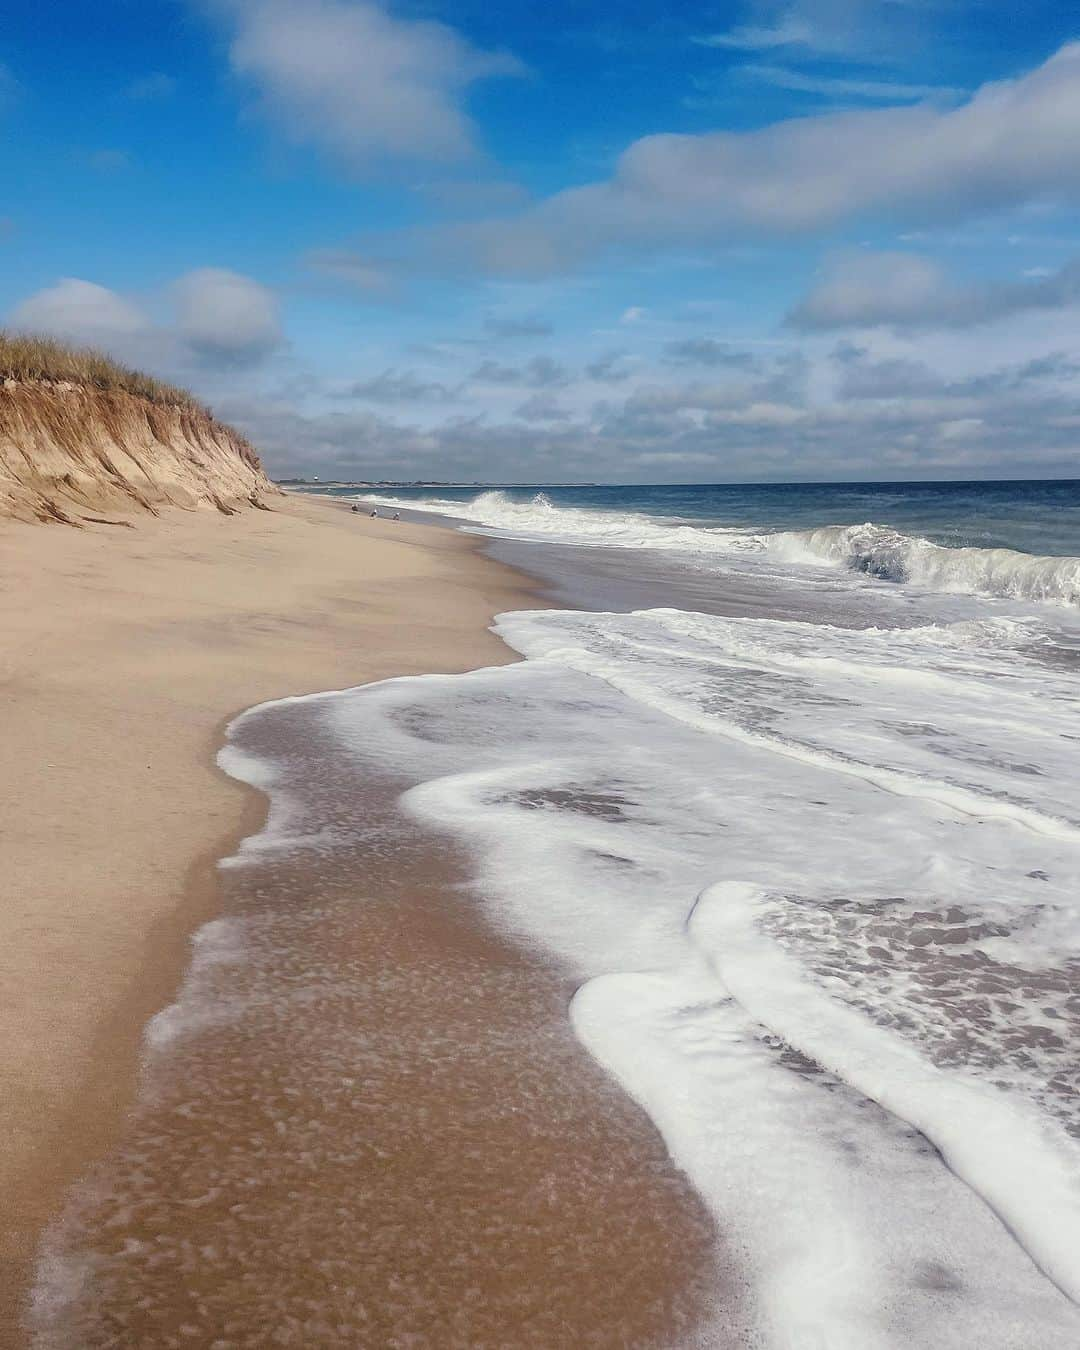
x=1003, y=541
x=1034, y=516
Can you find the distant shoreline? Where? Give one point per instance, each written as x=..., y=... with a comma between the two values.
x=314, y=488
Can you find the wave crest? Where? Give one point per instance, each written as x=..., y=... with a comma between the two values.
x=878, y=551
x=874, y=550
x=541, y=518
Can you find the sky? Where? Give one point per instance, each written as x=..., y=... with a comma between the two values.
x=652, y=241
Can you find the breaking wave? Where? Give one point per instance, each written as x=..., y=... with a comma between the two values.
x=889, y=555
x=541, y=519
x=875, y=551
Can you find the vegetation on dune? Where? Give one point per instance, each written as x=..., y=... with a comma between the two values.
x=29, y=360
x=25, y=357
x=80, y=431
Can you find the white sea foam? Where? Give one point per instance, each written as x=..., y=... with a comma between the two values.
x=540, y=518
x=890, y=555
x=854, y=1236
x=866, y=551
x=906, y=802
x=980, y=1130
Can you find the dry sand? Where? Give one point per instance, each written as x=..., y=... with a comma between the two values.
x=124, y=653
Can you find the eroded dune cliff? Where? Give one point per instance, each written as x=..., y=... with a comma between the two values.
x=70, y=450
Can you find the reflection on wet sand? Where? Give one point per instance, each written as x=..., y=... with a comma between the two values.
x=368, y=1123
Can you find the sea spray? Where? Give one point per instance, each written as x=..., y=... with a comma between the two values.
x=871, y=551
x=889, y=555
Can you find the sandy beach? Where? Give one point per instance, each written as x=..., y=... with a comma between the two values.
x=126, y=652
x=497, y=1213
x=539, y=676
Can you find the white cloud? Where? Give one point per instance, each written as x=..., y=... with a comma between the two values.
x=543, y=408
x=789, y=32
x=871, y=288
x=542, y=372
x=1013, y=143
x=904, y=290
x=1006, y=425
x=356, y=270
x=399, y=386
x=610, y=367
x=517, y=325
x=887, y=91
x=78, y=310
x=349, y=77
x=708, y=351
x=889, y=406
x=810, y=28
x=223, y=316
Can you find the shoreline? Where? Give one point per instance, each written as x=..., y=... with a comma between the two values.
x=80, y=1027
x=367, y=1118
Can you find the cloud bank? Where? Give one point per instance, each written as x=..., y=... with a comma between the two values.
x=903, y=290
x=886, y=418
x=220, y=318
x=1013, y=143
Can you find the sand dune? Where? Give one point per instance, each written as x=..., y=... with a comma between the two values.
x=70, y=452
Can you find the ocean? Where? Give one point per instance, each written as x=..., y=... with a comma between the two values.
x=1017, y=540
x=786, y=787
x=808, y=832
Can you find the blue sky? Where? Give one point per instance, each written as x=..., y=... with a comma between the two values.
x=644, y=242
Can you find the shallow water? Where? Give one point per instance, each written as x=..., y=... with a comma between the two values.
x=792, y=847
x=828, y=940
x=367, y=1121
x=842, y=820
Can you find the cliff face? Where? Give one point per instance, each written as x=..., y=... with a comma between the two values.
x=68, y=451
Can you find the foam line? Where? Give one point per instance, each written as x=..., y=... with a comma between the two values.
x=989, y=1139
x=952, y=798
x=868, y=550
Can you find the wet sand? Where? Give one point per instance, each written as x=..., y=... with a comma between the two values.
x=367, y=1121
x=130, y=650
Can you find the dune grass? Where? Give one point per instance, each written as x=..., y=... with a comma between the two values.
x=25, y=357
x=31, y=360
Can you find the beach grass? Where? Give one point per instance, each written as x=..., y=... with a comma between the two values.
x=27, y=357
x=30, y=363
